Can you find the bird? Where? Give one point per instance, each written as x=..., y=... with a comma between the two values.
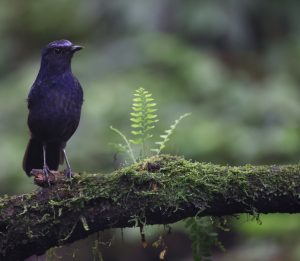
x=54, y=103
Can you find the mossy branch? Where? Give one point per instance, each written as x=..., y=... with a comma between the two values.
x=159, y=190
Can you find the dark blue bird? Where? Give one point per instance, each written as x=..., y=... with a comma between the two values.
x=54, y=104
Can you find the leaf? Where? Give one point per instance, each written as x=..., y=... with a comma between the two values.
x=151, y=110
x=138, y=99
x=151, y=116
x=203, y=237
x=143, y=117
x=136, y=108
x=166, y=137
x=137, y=120
x=136, y=132
x=162, y=254
x=136, y=114
x=84, y=223
x=148, y=122
x=137, y=105
x=136, y=142
x=136, y=125
x=149, y=128
x=150, y=104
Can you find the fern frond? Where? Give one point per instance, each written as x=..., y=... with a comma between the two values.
x=203, y=236
x=166, y=137
x=128, y=146
x=143, y=117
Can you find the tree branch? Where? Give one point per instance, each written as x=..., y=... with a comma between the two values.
x=159, y=190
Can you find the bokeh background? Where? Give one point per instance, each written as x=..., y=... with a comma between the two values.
x=235, y=65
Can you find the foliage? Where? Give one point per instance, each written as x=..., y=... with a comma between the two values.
x=143, y=118
x=203, y=236
x=193, y=60
x=166, y=137
x=127, y=147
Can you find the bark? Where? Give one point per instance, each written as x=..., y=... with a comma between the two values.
x=159, y=190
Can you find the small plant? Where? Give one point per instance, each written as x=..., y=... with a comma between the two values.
x=166, y=137
x=121, y=147
x=202, y=230
x=203, y=236
x=143, y=120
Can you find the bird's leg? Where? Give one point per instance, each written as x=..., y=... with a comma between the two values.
x=46, y=169
x=68, y=170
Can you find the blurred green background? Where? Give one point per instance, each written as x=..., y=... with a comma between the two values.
x=234, y=64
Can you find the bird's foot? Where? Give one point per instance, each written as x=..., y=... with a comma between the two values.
x=68, y=173
x=47, y=173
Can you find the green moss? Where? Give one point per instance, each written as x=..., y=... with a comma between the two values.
x=164, y=183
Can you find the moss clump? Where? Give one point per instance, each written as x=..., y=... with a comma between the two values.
x=159, y=190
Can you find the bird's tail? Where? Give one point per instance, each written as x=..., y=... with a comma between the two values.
x=33, y=158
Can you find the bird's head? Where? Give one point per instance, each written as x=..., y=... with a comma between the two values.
x=57, y=55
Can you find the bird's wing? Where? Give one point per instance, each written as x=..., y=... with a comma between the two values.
x=77, y=83
x=34, y=90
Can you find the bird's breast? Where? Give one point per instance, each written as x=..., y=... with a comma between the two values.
x=55, y=112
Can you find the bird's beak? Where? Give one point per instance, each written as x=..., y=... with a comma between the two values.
x=75, y=48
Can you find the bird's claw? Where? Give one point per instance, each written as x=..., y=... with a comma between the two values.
x=68, y=173
x=47, y=172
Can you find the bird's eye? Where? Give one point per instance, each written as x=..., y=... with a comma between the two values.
x=57, y=50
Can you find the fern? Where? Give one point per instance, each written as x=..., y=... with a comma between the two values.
x=203, y=236
x=127, y=147
x=166, y=137
x=143, y=118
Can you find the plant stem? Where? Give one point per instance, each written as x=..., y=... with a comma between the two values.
x=130, y=152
